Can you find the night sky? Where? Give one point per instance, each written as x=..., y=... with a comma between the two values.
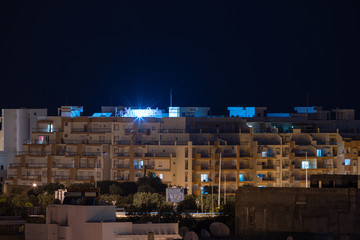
x=212, y=53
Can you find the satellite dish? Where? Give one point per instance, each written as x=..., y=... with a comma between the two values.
x=205, y=234
x=219, y=229
x=182, y=231
x=191, y=236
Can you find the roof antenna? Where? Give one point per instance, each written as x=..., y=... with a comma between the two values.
x=170, y=97
x=307, y=105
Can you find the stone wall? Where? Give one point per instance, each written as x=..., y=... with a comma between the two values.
x=273, y=211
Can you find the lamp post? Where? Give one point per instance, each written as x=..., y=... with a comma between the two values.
x=219, y=181
x=306, y=170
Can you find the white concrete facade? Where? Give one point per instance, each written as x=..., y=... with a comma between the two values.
x=73, y=222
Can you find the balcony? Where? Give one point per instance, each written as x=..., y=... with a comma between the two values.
x=98, y=141
x=246, y=180
x=64, y=165
x=244, y=166
x=268, y=179
x=149, y=166
x=229, y=155
x=91, y=154
x=46, y=130
x=36, y=165
x=268, y=167
x=83, y=177
x=91, y=130
x=162, y=169
x=71, y=154
x=121, y=154
x=121, y=178
x=29, y=177
x=13, y=165
x=228, y=167
x=66, y=141
x=127, y=166
x=123, y=142
x=61, y=177
x=99, y=130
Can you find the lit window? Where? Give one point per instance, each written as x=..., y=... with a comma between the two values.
x=264, y=154
x=318, y=152
x=346, y=162
x=204, y=177
x=241, y=177
x=161, y=176
x=305, y=164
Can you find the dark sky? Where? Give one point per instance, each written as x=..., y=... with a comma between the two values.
x=212, y=53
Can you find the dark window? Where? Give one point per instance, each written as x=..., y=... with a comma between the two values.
x=2, y=167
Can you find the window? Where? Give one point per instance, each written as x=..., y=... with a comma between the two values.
x=346, y=162
x=261, y=176
x=241, y=177
x=160, y=164
x=2, y=167
x=1, y=179
x=318, y=153
x=264, y=154
x=204, y=178
x=305, y=164
x=116, y=127
x=66, y=124
x=161, y=176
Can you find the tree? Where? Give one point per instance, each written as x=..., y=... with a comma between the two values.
x=115, y=189
x=153, y=181
x=147, y=202
x=188, y=204
x=45, y=199
x=146, y=188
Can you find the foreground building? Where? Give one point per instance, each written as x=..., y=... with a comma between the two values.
x=328, y=210
x=71, y=222
x=193, y=151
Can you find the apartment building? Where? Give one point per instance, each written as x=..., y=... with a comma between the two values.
x=16, y=127
x=192, y=152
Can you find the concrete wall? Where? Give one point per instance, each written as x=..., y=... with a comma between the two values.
x=269, y=211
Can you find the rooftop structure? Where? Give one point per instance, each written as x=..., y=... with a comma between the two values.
x=94, y=223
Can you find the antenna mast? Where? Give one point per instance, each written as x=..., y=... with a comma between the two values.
x=170, y=97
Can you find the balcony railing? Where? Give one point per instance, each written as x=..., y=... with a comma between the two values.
x=121, y=155
x=82, y=177
x=71, y=153
x=64, y=165
x=98, y=141
x=122, y=166
x=91, y=154
x=36, y=165
x=121, y=178
x=122, y=142
x=100, y=130
x=15, y=164
x=97, y=130
x=73, y=141
x=29, y=177
x=46, y=130
x=243, y=166
x=225, y=167
x=61, y=177
x=268, y=166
